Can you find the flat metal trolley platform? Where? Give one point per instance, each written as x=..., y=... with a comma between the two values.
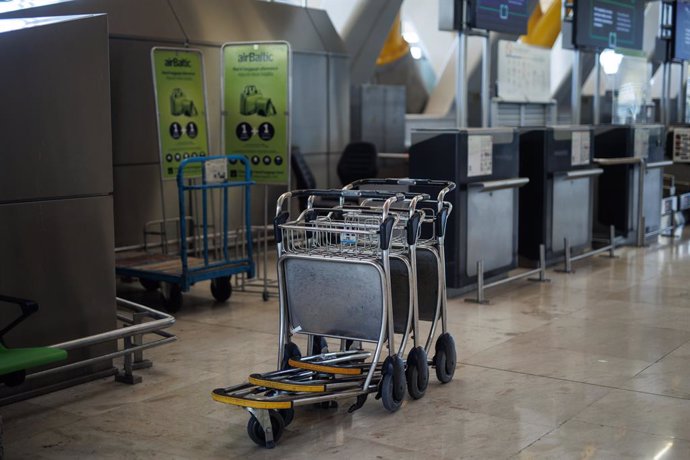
x=197, y=259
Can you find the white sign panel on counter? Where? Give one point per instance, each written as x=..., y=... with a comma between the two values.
x=580, y=148
x=479, y=156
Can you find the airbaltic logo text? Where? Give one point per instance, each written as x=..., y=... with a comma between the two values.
x=255, y=57
x=175, y=62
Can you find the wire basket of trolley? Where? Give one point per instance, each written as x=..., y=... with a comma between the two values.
x=334, y=274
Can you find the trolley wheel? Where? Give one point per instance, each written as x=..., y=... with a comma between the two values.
x=417, y=372
x=288, y=415
x=320, y=345
x=171, y=294
x=221, y=288
x=149, y=285
x=393, y=383
x=264, y=296
x=290, y=351
x=256, y=431
x=445, y=358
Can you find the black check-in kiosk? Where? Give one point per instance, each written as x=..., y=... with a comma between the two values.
x=623, y=152
x=484, y=163
x=557, y=204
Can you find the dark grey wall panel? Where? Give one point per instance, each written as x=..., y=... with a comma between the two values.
x=310, y=102
x=56, y=111
x=135, y=139
x=60, y=254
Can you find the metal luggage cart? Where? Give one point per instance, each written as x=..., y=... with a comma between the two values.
x=334, y=273
x=427, y=258
x=196, y=260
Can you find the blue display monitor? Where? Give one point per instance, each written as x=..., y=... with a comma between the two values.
x=507, y=16
x=600, y=24
x=681, y=30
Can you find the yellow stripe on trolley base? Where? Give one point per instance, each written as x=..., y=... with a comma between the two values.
x=325, y=369
x=259, y=382
x=251, y=403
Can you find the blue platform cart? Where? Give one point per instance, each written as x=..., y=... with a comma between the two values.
x=197, y=260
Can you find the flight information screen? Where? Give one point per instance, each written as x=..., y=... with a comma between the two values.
x=681, y=30
x=612, y=24
x=507, y=16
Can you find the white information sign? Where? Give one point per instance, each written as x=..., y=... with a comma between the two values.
x=641, y=143
x=479, y=156
x=580, y=153
x=681, y=145
x=524, y=72
x=216, y=171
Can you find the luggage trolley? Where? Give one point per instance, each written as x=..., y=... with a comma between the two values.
x=176, y=273
x=334, y=276
x=427, y=258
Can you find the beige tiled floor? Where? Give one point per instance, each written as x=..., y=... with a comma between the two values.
x=594, y=364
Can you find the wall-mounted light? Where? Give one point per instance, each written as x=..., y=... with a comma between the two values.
x=416, y=52
x=610, y=61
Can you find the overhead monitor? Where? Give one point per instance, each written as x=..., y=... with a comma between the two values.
x=600, y=24
x=507, y=16
x=681, y=30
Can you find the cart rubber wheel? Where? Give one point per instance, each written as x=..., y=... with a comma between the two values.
x=288, y=415
x=393, y=383
x=149, y=285
x=290, y=351
x=172, y=297
x=320, y=345
x=221, y=288
x=256, y=431
x=417, y=373
x=445, y=358
x=265, y=296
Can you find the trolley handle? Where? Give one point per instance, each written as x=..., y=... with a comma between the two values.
x=389, y=197
x=444, y=186
x=192, y=160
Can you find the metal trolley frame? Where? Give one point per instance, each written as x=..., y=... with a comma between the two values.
x=196, y=261
x=324, y=252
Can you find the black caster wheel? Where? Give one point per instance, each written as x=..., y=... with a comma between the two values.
x=256, y=431
x=288, y=415
x=320, y=345
x=171, y=294
x=417, y=372
x=393, y=383
x=445, y=358
x=265, y=296
x=149, y=285
x=221, y=288
x=290, y=351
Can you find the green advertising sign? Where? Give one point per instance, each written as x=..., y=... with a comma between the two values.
x=256, y=104
x=178, y=78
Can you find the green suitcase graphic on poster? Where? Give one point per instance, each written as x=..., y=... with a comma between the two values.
x=181, y=105
x=253, y=102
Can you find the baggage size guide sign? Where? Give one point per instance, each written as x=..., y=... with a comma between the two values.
x=256, y=107
x=178, y=77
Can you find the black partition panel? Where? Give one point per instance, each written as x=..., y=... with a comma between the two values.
x=681, y=30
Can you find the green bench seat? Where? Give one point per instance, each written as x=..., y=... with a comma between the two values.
x=14, y=362
x=20, y=359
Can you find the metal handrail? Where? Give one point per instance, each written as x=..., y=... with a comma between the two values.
x=618, y=161
x=490, y=186
x=161, y=321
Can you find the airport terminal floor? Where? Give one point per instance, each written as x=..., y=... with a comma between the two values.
x=594, y=365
